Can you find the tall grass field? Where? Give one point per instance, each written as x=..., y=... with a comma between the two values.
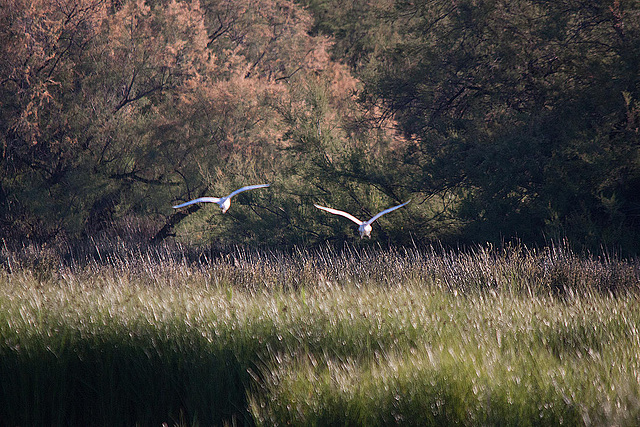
x=123, y=335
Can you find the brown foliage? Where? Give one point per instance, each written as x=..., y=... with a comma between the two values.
x=116, y=107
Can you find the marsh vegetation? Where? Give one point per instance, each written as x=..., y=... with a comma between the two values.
x=351, y=336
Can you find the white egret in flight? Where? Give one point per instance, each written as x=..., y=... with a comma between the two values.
x=223, y=202
x=364, y=227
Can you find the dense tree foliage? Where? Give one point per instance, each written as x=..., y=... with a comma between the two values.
x=525, y=113
x=119, y=109
x=500, y=119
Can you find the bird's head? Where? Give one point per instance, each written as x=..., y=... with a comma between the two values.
x=365, y=230
x=224, y=204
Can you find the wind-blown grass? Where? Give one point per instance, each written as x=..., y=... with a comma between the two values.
x=350, y=337
x=485, y=360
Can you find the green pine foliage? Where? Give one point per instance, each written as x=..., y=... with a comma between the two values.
x=522, y=115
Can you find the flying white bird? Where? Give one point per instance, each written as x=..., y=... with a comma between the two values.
x=364, y=227
x=223, y=202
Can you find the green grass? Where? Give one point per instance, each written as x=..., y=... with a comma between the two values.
x=352, y=337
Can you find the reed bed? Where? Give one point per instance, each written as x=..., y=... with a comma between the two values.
x=122, y=334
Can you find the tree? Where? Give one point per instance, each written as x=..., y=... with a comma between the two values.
x=520, y=111
x=115, y=110
x=42, y=41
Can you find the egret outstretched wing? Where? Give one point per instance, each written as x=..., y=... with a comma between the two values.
x=337, y=212
x=198, y=200
x=364, y=227
x=248, y=187
x=379, y=214
x=223, y=202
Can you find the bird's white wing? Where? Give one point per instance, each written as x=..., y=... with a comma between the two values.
x=248, y=187
x=378, y=215
x=337, y=212
x=201, y=199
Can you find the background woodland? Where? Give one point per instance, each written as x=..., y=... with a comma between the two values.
x=500, y=119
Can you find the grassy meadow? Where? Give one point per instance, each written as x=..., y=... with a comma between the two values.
x=124, y=335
